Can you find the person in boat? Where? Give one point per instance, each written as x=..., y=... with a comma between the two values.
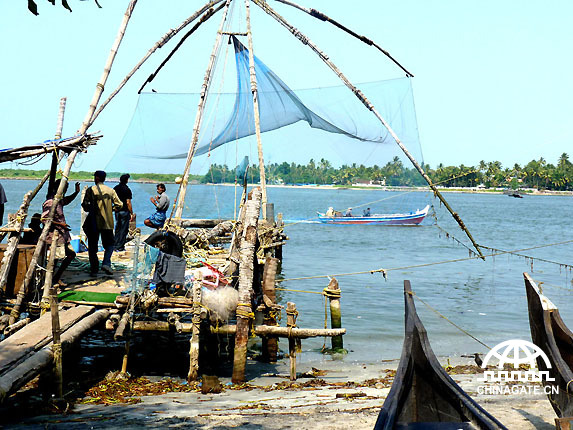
x=366, y=212
x=59, y=224
x=161, y=202
x=330, y=212
x=100, y=201
x=31, y=237
x=348, y=212
x=123, y=216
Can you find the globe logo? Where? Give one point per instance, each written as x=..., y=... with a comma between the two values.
x=516, y=352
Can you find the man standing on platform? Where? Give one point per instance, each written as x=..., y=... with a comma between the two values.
x=99, y=202
x=124, y=215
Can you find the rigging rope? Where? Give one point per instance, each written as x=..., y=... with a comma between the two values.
x=416, y=266
x=450, y=321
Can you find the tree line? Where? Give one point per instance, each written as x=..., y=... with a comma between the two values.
x=536, y=174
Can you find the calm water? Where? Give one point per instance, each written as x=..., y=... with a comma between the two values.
x=485, y=298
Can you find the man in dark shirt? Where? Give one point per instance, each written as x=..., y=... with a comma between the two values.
x=125, y=215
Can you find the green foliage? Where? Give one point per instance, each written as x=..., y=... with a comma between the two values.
x=535, y=174
x=88, y=176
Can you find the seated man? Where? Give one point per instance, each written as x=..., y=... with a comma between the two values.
x=330, y=212
x=366, y=212
x=161, y=202
x=348, y=212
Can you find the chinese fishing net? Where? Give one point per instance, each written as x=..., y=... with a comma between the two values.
x=325, y=128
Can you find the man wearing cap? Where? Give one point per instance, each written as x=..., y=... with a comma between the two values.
x=124, y=215
x=348, y=212
x=99, y=202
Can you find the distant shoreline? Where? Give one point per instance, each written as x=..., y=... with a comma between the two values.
x=524, y=192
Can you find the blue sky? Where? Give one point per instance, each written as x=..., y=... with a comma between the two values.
x=492, y=79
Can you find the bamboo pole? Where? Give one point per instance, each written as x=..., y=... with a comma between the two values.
x=260, y=330
x=63, y=183
x=319, y=15
x=199, y=116
x=270, y=344
x=246, y=268
x=255, y=93
x=160, y=43
x=56, y=343
x=14, y=237
x=291, y=324
x=306, y=41
x=50, y=270
x=195, y=331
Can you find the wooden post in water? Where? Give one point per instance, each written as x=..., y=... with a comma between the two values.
x=291, y=323
x=270, y=344
x=246, y=268
x=279, y=249
x=196, y=327
x=333, y=294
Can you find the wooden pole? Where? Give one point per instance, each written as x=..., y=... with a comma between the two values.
x=14, y=237
x=333, y=294
x=160, y=43
x=63, y=183
x=246, y=268
x=291, y=324
x=50, y=270
x=128, y=321
x=255, y=93
x=306, y=41
x=26, y=371
x=57, y=344
x=260, y=330
x=319, y=15
x=199, y=116
x=196, y=328
x=270, y=344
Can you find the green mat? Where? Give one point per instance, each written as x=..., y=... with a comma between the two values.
x=87, y=296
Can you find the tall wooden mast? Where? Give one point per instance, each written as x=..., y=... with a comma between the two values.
x=199, y=117
x=254, y=91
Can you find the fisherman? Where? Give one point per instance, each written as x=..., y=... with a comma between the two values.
x=99, y=202
x=348, y=212
x=330, y=212
x=161, y=202
x=366, y=212
x=31, y=237
x=124, y=215
x=59, y=224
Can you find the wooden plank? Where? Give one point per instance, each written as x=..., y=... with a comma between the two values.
x=35, y=336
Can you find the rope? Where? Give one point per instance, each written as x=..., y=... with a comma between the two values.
x=247, y=314
x=569, y=266
x=448, y=320
x=416, y=266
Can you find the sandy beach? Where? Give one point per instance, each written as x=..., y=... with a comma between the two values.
x=342, y=396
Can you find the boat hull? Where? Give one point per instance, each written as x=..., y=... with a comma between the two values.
x=413, y=218
x=549, y=332
x=423, y=395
